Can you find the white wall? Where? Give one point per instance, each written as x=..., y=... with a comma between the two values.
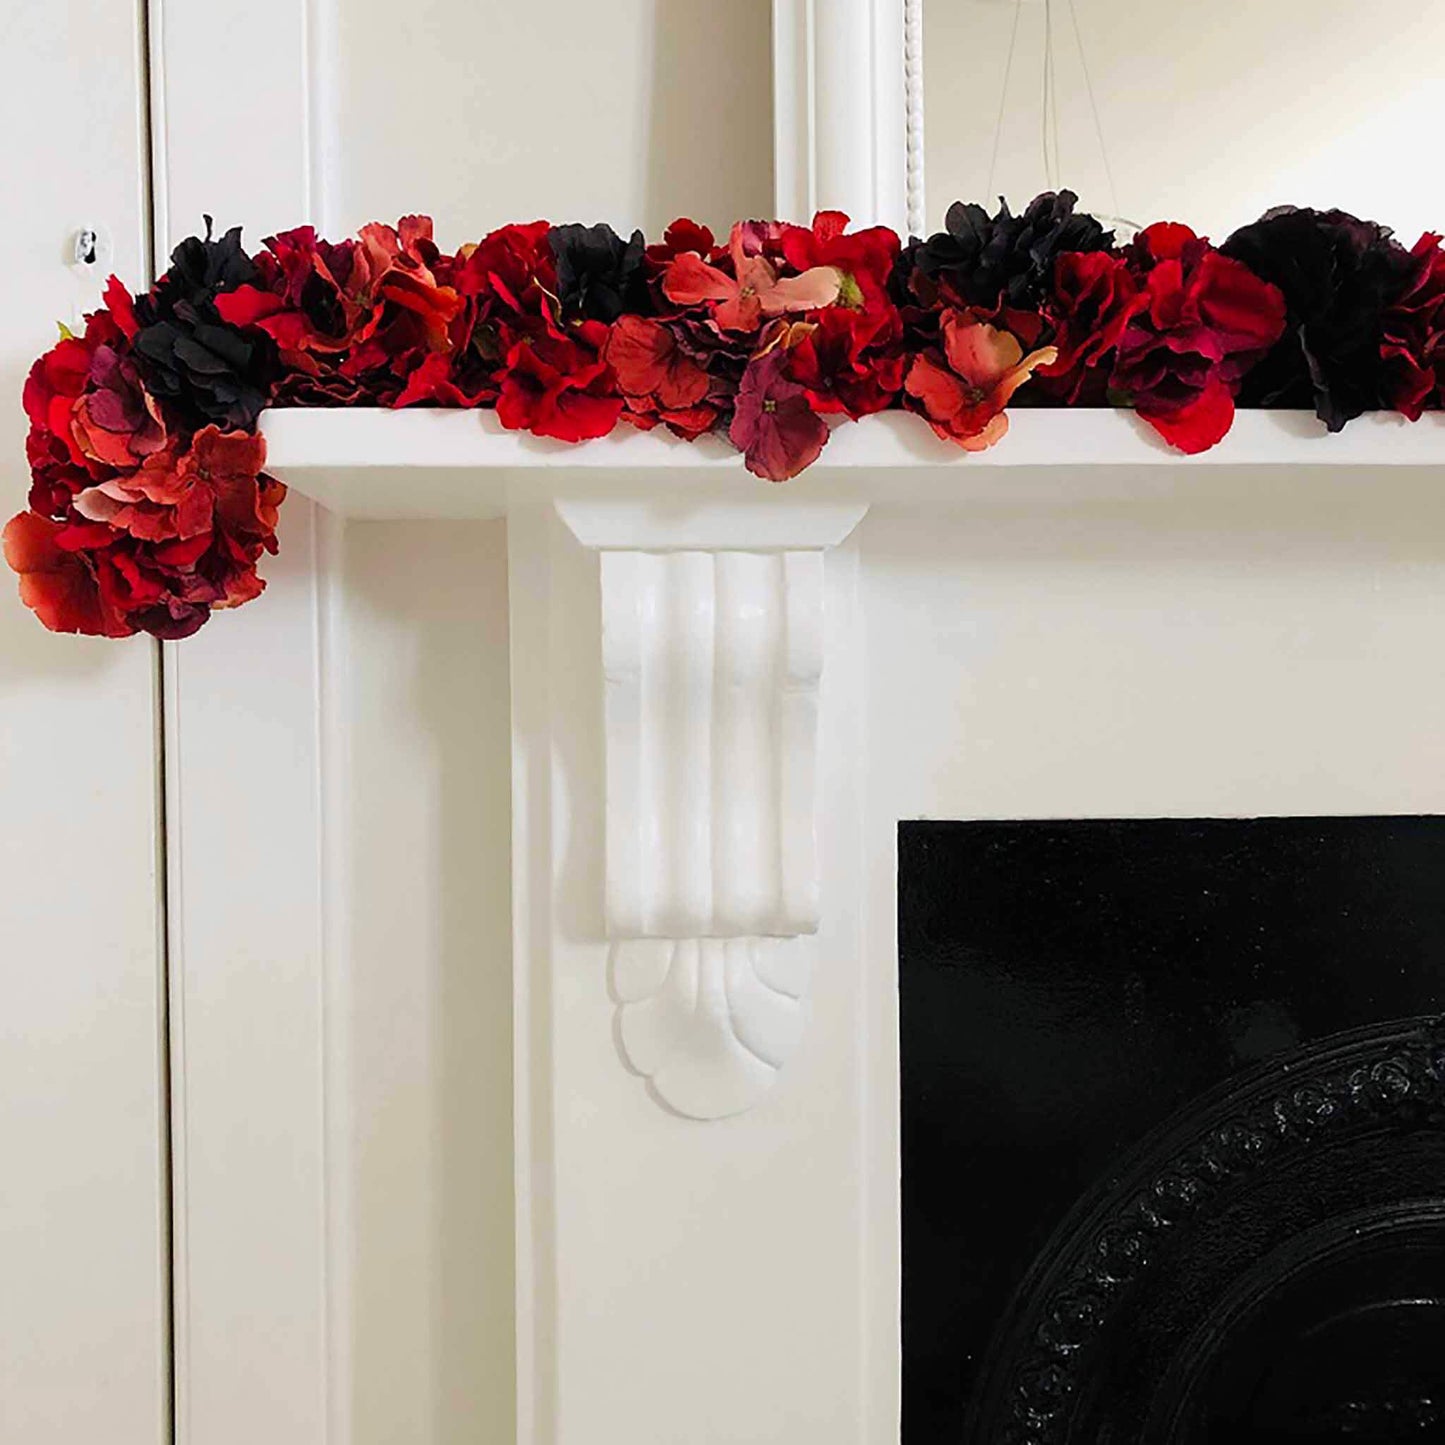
x=425, y=1026
x=82, y=1275
x=632, y=111
x=1212, y=110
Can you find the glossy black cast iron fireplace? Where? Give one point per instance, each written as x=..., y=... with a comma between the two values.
x=1173, y=1131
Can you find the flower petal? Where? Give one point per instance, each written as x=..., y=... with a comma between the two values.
x=814, y=289
x=978, y=352
x=58, y=586
x=1199, y=424
x=690, y=281
x=939, y=390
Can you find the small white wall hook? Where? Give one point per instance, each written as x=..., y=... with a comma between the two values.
x=90, y=248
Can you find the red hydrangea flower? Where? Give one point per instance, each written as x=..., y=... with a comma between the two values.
x=750, y=290
x=509, y=283
x=963, y=392
x=864, y=259
x=684, y=235
x=661, y=378
x=412, y=310
x=551, y=376
x=1208, y=319
x=512, y=267
x=312, y=298
x=69, y=446
x=1413, y=348
x=173, y=496
x=154, y=550
x=58, y=583
x=353, y=322
x=54, y=386
x=557, y=385
x=852, y=361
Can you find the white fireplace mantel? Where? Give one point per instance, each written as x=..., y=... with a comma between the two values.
x=439, y=463
x=705, y=633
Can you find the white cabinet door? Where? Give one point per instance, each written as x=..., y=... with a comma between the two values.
x=83, y=1287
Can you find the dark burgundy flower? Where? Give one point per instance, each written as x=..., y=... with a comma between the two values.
x=117, y=422
x=774, y=425
x=599, y=275
x=186, y=352
x=1002, y=260
x=1206, y=320
x=1414, y=336
x=1094, y=296
x=1339, y=276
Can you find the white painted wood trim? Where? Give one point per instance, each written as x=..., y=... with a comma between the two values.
x=646, y=1235
x=655, y=491
x=260, y=1242
x=711, y=664
x=915, y=195
x=839, y=110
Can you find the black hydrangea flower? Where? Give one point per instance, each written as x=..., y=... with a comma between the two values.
x=1006, y=259
x=186, y=353
x=1338, y=274
x=599, y=275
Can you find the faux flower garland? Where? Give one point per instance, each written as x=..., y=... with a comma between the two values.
x=149, y=507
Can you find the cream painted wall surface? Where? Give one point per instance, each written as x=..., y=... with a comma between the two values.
x=82, y=1265
x=1211, y=112
x=424, y=1025
x=632, y=111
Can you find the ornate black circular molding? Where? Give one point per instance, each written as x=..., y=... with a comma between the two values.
x=1289, y=1169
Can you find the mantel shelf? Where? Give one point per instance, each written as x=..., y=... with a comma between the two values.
x=442, y=463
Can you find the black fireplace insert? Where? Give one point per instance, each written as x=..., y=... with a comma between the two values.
x=1173, y=1098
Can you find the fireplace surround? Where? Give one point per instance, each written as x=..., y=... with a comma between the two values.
x=708, y=1151
x=1075, y=625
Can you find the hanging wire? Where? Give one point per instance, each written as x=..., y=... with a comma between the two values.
x=1050, y=143
x=1048, y=102
x=1098, y=124
x=1008, y=69
x=1054, y=99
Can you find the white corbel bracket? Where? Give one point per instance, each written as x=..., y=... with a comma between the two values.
x=712, y=661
